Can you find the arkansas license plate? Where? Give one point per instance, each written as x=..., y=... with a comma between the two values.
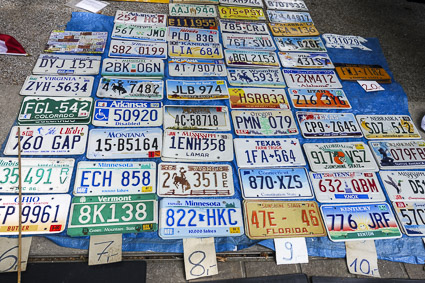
x=124, y=143
x=114, y=214
x=319, y=98
x=192, y=22
x=191, y=10
x=282, y=219
x=57, y=86
x=256, y=77
x=248, y=42
x=137, y=49
x=411, y=216
x=305, y=60
x=140, y=19
x=322, y=79
x=249, y=3
x=177, y=49
x=111, y=178
x=260, y=98
x=195, y=180
x=399, y=154
x=130, y=88
x=196, y=68
x=293, y=29
x=196, y=90
x=153, y=68
x=300, y=44
x=61, y=41
x=142, y=33
x=192, y=35
x=264, y=123
x=66, y=65
x=359, y=72
x=360, y=222
x=48, y=140
x=404, y=185
x=243, y=58
x=288, y=17
x=388, y=127
x=195, y=218
x=241, y=13
x=286, y=5
x=41, y=214
x=243, y=27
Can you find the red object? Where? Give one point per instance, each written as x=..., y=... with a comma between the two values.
x=10, y=46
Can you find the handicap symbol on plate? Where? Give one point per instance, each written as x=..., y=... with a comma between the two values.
x=101, y=114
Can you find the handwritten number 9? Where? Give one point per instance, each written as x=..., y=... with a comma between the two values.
x=288, y=246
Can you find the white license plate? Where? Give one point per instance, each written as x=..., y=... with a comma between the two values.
x=346, y=187
x=48, y=140
x=110, y=87
x=153, y=68
x=404, y=185
x=191, y=10
x=258, y=98
x=196, y=90
x=127, y=113
x=288, y=17
x=124, y=143
x=192, y=35
x=142, y=33
x=241, y=58
x=256, y=77
x=301, y=44
x=286, y=5
x=268, y=152
x=399, y=154
x=319, y=98
x=195, y=180
x=264, y=122
x=71, y=86
x=39, y=175
x=248, y=42
x=207, y=118
x=78, y=42
x=196, y=68
x=137, y=49
x=182, y=49
x=411, y=216
x=305, y=60
x=249, y=3
x=41, y=214
x=340, y=157
x=323, y=79
x=143, y=19
x=243, y=27
x=345, y=41
x=66, y=65
x=388, y=127
x=111, y=178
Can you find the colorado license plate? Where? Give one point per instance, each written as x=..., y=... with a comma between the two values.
x=305, y=60
x=322, y=79
x=256, y=77
x=241, y=13
x=248, y=42
x=288, y=17
x=250, y=3
x=286, y=5
x=196, y=90
x=57, y=86
x=243, y=27
x=319, y=98
x=190, y=10
x=153, y=68
x=404, y=185
x=192, y=22
x=260, y=98
x=264, y=123
x=130, y=88
x=300, y=44
x=196, y=68
x=66, y=65
x=137, y=49
x=293, y=29
x=411, y=216
x=356, y=72
x=388, y=127
x=141, y=19
x=136, y=32
x=399, y=154
x=242, y=58
x=177, y=49
x=192, y=35
x=61, y=41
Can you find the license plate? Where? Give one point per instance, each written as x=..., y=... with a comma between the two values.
x=55, y=110
x=195, y=180
x=268, y=152
x=215, y=2
x=399, y=154
x=197, y=90
x=328, y=125
x=345, y=41
x=196, y=68
x=111, y=178
x=293, y=29
x=127, y=113
x=207, y=118
x=264, y=123
x=153, y=68
x=39, y=175
x=242, y=58
x=359, y=72
x=192, y=22
x=130, y=88
x=404, y=185
x=48, y=140
x=305, y=60
x=411, y=216
x=319, y=98
x=287, y=5
x=339, y=157
x=249, y=3
x=57, y=86
x=124, y=143
x=192, y=35
x=248, y=42
x=241, y=13
x=66, y=65
x=136, y=32
x=288, y=17
x=61, y=41
x=114, y=214
x=346, y=187
x=243, y=27
x=137, y=49
x=300, y=44
x=322, y=79
x=258, y=98
x=360, y=222
x=195, y=218
x=177, y=49
x=275, y=183
x=282, y=219
x=256, y=77
x=41, y=214
x=191, y=10
x=388, y=127
x=141, y=19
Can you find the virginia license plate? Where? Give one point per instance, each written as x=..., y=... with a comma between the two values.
x=196, y=90
x=66, y=65
x=286, y=5
x=288, y=17
x=195, y=218
x=293, y=29
x=411, y=216
x=258, y=98
x=137, y=49
x=248, y=42
x=359, y=72
x=196, y=68
x=305, y=60
x=319, y=98
x=153, y=68
x=241, y=13
x=178, y=49
x=191, y=10
x=322, y=79
x=399, y=154
x=264, y=123
x=360, y=222
x=249, y=3
x=130, y=88
x=300, y=44
x=192, y=22
x=142, y=33
x=404, y=185
x=57, y=86
x=195, y=180
x=243, y=27
x=243, y=58
x=141, y=19
x=61, y=41
x=388, y=127
x=192, y=35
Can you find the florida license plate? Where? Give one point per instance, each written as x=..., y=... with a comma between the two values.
x=264, y=123
x=258, y=98
x=196, y=68
x=293, y=29
x=411, y=216
x=288, y=17
x=249, y=3
x=286, y=5
x=300, y=44
x=140, y=19
x=319, y=98
x=192, y=35
x=399, y=154
x=196, y=90
x=66, y=65
x=71, y=86
x=272, y=78
x=192, y=22
x=360, y=72
x=136, y=32
x=322, y=79
x=243, y=27
x=178, y=49
x=243, y=58
x=135, y=88
x=137, y=49
x=61, y=41
x=388, y=127
x=248, y=42
x=191, y=10
x=404, y=185
x=305, y=60
x=360, y=222
x=153, y=68
x=241, y=13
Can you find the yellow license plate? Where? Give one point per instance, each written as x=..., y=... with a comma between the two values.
x=355, y=72
x=241, y=13
x=281, y=219
x=258, y=98
x=180, y=49
x=293, y=29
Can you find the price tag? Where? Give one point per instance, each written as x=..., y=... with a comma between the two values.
x=362, y=258
x=105, y=249
x=9, y=254
x=199, y=257
x=290, y=250
x=370, y=86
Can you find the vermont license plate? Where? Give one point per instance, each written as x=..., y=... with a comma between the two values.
x=178, y=49
x=388, y=127
x=196, y=90
x=404, y=185
x=286, y=5
x=288, y=17
x=137, y=49
x=272, y=78
x=399, y=154
x=322, y=79
x=243, y=27
x=264, y=123
x=319, y=98
x=258, y=98
x=249, y=3
x=192, y=35
x=142, y=33
x=360, y=222
x=140, y=19
x=243, y=58
x=305, y=60
x=135, y=88
x=57, y=86
x=153, y=68
x=300, y=44
x=356, y=72
x=192, y=22
x=293, y=29
x=66, y=65
x=191, y=10
x=195, y=218
x=241, y=13
x=61, y=41
x=282, y=219
x=196, y=68
x=195, y=180
x=248, y=42
x=411, y=216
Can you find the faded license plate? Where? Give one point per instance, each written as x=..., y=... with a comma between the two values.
x=61, y=41
x=411, y=216
x=399, y=154
x=300, y=44
x=319, y=98
x=196, y=68
x=241, y=13
x=192, y=22
x=305, y=60
x=388, y=127
x=286, y=5
x=243, y=58
x=142, y=33
x=153, y=68
x=345, y=41
x=258, y=98
x=193, y=35
x=178, y=49
x=249, y=3
x=264, y=122
x=191, y=10
x=141, y=19
x=322, y=79
x=404, y=185
x=66, y=65
x=293, y=29
x=196, y=90
x=57, y=86
x=256, y=77
x=356, y=72
x=243, y=27
x=288, y=17
x=130, y=88
x=137, y=49
x=248, y=42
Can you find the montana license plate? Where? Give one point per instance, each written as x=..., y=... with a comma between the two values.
x=196, y=68
x=135, y=88
x=137, y=49
x=248, y=42
x=388, y=127
x=181, y=49
x=322, y=79
x=305, y=60
x=256, y=77
x=319, y=98
x=196, y=90
x=142, y=33
x=192, y=35
x=258, y=98
x=300, y=44
x=191, y=10
x=264, y=123
x=286, y=5
x=293, y=29
x=243, y=27
x=359, y=72
x=243, y=58
x=192, y=22
x=249, y=3
x=66, y=65
x=411, y=216
x=153, y=68
x=399, y=154
x=61, y=41
x=241, y=13
x=141, y=19
x=71, y=86
x=404, y=185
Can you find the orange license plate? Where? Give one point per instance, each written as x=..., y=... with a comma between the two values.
x=258, y=98
x=293, y=29
x=356, y=72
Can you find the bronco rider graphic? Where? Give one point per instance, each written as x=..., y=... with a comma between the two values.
x=181, y=180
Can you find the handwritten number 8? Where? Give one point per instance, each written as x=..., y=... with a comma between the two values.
x=198, y=264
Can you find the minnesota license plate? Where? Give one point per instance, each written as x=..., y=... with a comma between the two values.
x=319, y=98
x=404, y=185
x=137, y=49
x=360, y=222
x=249, y=3
x=288, y=17
x=399, y=154
x=178, y=49
x=196, y=90
x=124, y=143
x=39, y=175
x=57, y=86
x=243, y=58
x=293, y=29
x=66, y=65
x=388, y=127
x=305, y=60
x=48, y=140
x=195, y=218
x=41, y=214
x=339, y=157
x=322, y=79
x=275, y=183
x=196, y=68
x=113, y=214
x=359, y=72
x=268, y=152
x=300, y=44
x=192, y=35
x=282, y=219
x=346, y=187
x=140, y=19
x=195, y=180
x=286, y=5
x=191, y=10
x=411, y=216
x=142, y=33
x=194, y=117
x=192, y=22
x=61, y=41
x=248, y=42
x=256, y=77
x=111, y=178
x=264, y=123
x=243, y=27
x=258, y=98
x=130, y=88
x=241, y=13
x=153, y=68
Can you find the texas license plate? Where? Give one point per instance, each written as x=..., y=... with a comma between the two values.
x=256, y=77
x=300, y=44
x=137, y=49
x=140, y=19
x=248, y=42
x=48, y=140
x=191, y=10
x=192, y=22
x=124, y=143
x=388, y=127
x=411, y=216
x=249, y=3
x=282, y=219
x=136, y=32
x=39, y=175
x=286, y=5
x=113, y=214
x=339, y=157
x=130, y=88
x=243, y=58
x=41, y=214
x=258, y=98
x=192, y=35
x=243, y=27
x=293, y=29
x=288, y=17
x=241, y=13
x=178, y=49
x=264, y=123
x=360, y=222
x=111, y=178
x=57, y=86
x=268, y=152
x=153, y=68
x=404, y=185
x=194, y=117
x=195, y=180
x=61, y=41
x=196, y=90
x=195, y=218
x=359, y=72
x=305, y=60
x=322, y=79
x=319, y=98
x=66, y=65
x=196, y=68
x=399, y=154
